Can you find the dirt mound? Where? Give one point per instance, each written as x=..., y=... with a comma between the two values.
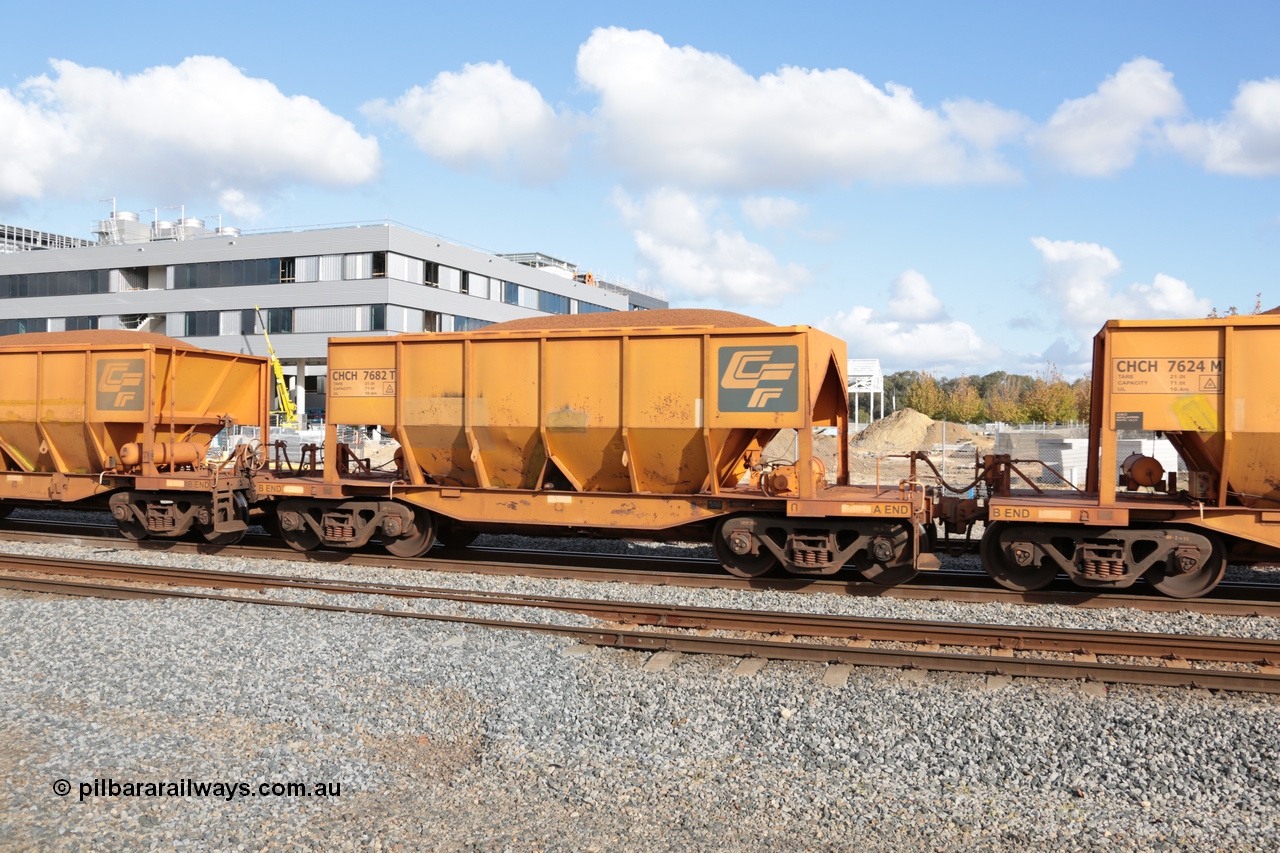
x=955, y=434
x=631, y=319
x=905, y=428
x=908, y=429
x=91, y=337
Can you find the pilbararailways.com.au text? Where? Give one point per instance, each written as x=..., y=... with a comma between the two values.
x=192, y=788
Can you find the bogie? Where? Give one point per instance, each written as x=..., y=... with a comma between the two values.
x=1181, y=563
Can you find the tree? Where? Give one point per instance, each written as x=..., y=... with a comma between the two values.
x=962, y=404
x=925, y=396
x=896, y=386
x=1004, y=401
x=1083, y=389
x=1050, y=398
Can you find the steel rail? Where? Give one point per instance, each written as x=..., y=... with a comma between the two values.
x=997, y=637
x=1232, y=599
x=1164, y=676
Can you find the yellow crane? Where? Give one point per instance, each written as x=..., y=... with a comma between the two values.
x=282, y=390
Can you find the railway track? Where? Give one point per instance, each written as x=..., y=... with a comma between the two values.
x=849, y=641
x=1229, y=599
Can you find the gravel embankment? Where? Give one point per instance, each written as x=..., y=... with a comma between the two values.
x=449, y=738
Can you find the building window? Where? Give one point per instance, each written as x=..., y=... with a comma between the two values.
x=431, y=274
x=248, y=321
x=377, y=318
x=552, y=303
x=234, y=273
x=202, y=324
x=21, y=327
x=279, y=320
x=379, y=265
x=591, y=308
x=469, y=324
x=71, y=283
x=511, y=293
x=79, y=324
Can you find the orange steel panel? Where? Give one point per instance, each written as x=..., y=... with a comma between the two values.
x=504, y=413
x=582, y=408
x=664, y=414
x=1209, y=386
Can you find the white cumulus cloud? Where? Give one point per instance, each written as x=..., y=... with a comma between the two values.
x=1102, y=133
x=201, y=127
x=771, y=212
x=913, y=299
x=484, y=116
x=1246, y=142
x=915, y=333
x=680, y=246
x=1076, y=279
x=678, y=115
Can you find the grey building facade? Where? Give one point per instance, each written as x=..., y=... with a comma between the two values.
x=220, y=289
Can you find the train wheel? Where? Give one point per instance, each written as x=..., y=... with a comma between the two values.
x=1002, y=567
x=304, y=539
x=131, y=528
x=417, y=540
x=732, y=538
x=1193, y=584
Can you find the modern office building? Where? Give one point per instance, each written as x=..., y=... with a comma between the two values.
x=221, y=289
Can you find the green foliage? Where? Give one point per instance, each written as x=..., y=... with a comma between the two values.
x=998, y=396
x=1083, y=389
x=925, y=397
x=1050, y=398
x=963, y=404
x=1004, y=402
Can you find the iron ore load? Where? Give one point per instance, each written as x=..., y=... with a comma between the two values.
x=653, y=425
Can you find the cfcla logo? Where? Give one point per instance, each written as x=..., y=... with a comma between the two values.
x=760, y=379
x=120, y=384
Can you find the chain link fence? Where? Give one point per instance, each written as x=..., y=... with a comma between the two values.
x=1052, y=456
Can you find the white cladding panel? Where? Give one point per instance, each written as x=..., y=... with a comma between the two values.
x=337, y=318
x=306, y=269
x=397, y=266
x=357, y=266
x=229, y=323
x=331, y=268
x=477, y=285
x=450, y=279
x=416, y=273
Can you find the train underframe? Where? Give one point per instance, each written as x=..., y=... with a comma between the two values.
x=751, y=534
x=1180, y=562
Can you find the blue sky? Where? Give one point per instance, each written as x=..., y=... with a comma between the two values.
x=949, y=187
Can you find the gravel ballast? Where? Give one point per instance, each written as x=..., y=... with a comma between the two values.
x=445, y=737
